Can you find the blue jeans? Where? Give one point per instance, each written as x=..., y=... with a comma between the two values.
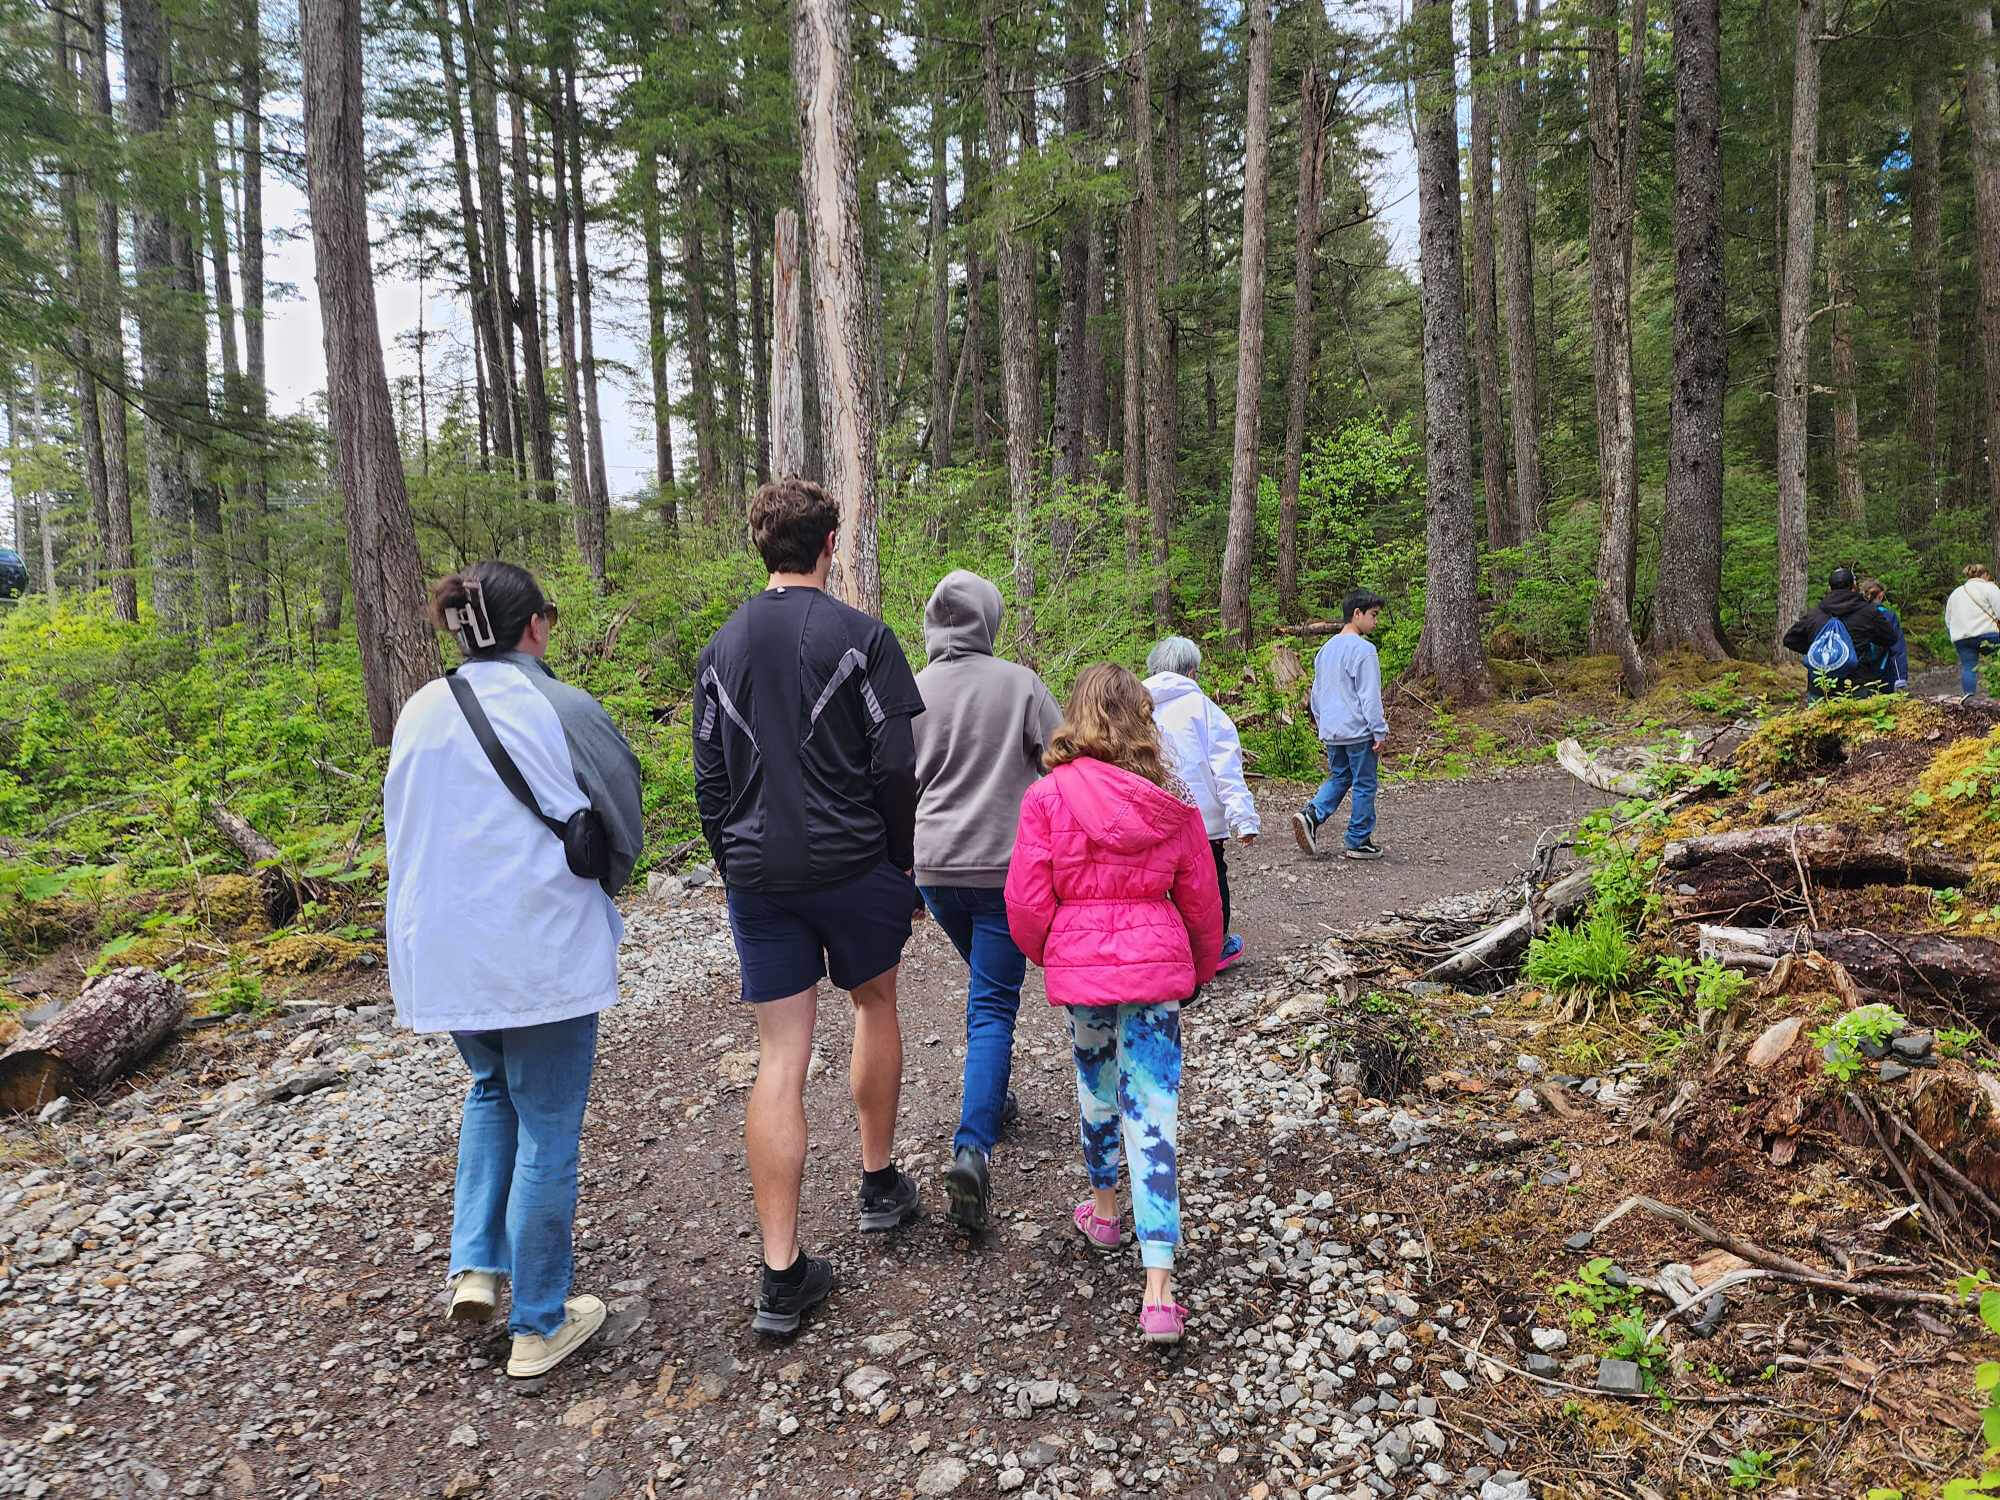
x=517, y=1147
x=1348, y=767
x=1969, y=651
x=975, y=919
x=1128, y=1083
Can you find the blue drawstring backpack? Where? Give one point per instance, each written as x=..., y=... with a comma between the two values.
x=1832, y=652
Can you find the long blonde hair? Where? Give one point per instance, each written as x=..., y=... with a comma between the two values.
x=1109, y=718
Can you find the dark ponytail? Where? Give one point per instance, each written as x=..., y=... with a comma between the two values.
x=486, y=607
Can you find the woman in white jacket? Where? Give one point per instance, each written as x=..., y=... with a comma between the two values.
x=1972, y=616
x=502, y=931
x=1201, y=740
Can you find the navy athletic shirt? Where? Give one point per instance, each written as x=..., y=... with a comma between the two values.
x=804, y=767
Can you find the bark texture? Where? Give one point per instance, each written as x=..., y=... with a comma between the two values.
x=109, y=317
x=1840, y=351
x=1313, y=119
x=1249, y=331
x=1795, y=314
x=1449, y=651
x=829, y=172
x=656, y=331
x=1500, y=528
x=1687, y=607
x=1926, y=237
x=788, y=405
x=1982, y=112
x=111, y=1027
x=1517, y=249
x=1151, y=256
x=398, y=650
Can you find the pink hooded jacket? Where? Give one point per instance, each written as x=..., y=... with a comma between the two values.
x=1112, y=888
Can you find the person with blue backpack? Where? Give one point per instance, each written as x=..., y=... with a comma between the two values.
x=1846, y=641
x=1893, y=672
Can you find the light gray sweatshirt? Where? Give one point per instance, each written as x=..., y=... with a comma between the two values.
x=979, y=739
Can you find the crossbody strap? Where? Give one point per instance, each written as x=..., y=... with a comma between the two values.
x=503, y=763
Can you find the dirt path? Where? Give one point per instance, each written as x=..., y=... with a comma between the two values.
x=301, y=1352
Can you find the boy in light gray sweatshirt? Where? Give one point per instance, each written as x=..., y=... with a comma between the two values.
x=1347, y=708
x=979, y=741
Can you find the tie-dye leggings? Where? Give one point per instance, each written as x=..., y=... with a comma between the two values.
x=1128, y=1078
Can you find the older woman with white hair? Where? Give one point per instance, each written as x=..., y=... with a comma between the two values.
x=1202, y=743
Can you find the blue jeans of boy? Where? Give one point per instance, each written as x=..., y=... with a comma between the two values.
x=1349, y=768
x=515, y=1201
x=1969, y=651
x=975, y=919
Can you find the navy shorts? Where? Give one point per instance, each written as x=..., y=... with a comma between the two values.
x=787, y=941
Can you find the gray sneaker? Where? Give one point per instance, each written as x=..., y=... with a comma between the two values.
x=1305, y=831
x=884, y=1211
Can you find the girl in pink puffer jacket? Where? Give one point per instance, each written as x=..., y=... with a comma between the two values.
x=1112, y=891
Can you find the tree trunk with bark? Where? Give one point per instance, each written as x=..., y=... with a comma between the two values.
x=760, y=343
x=1846, y=403
x=732, y=338
x=1449, y=651
x=583, y=504
x=1982, y=112
x=528, y=308
x=1242, y=534
x=108, y=1029
x=1020, y=380
x=1079, y=122
x=829, y=178
x=149, y=121
x=656, y=331
x=701, y=364
x=483, y=83
x=1517, y=251
x=256, y=549
x=972, y=351
x=1926, y=282
x=941, y=383
x=1687, y=608
x=1795, y=314
x=211, y=550
x=788, y=407
x=1500, y=528
x=82, y=279
x=398, y=650
x=1314, y=107
x=1615, y=102
x=1150, y=256
x=110, y=341
x=1131, y=252
x=600, y=480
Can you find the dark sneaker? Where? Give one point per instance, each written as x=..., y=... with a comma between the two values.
x=780, y=1307
x=970, y=1189
x=1010, y=1112
x=1368, y=849
x=1305, y=831
x=890, y=1209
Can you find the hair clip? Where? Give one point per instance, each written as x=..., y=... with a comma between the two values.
x=470, y=624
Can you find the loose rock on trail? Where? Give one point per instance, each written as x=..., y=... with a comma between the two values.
x=233, y=1286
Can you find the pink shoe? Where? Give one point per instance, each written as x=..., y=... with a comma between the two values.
x=1102, y=1235
x=1232, y=953
x=1162, y=1322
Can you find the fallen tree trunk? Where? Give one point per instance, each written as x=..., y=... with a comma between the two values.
x=1503, y=941
x=1961, y=973
x=282, y=891
x=1843, y=855
x=117, y=1020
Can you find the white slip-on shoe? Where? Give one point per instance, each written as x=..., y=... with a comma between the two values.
x=474, y=1294
x=535, y=1355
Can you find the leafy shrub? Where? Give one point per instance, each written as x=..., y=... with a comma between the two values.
x=1873, y=1023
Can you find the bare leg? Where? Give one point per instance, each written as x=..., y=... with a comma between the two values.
x=876, y=1076
x=1159, y=1287
x=774, y=1127
x=1104, y=1203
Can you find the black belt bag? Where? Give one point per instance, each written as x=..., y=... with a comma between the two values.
x=586, y=845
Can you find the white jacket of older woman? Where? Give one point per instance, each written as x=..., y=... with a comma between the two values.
x=488, y=928
x=1201, y=741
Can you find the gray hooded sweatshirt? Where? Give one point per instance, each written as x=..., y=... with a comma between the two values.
x=979, y=739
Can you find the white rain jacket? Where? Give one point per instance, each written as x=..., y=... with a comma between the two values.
x=488, y=929
x=1200, y=739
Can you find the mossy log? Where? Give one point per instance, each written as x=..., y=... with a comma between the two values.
x=1912, y=970
x=111, y=1027
x=1771, y=872
x=283, y=892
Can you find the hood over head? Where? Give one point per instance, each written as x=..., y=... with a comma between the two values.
x=1169, y=687
x=1119, y=810
x=1844, y=602
x=962, y=617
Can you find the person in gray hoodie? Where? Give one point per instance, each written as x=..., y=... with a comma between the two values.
x=979, y=741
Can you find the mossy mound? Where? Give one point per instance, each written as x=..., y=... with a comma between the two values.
x=232, y=904
x=314, y=953
x=1957, y=801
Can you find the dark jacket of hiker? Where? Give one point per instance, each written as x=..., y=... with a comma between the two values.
x=1874, y=639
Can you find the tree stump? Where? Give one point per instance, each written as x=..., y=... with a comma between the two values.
x=117, y=1020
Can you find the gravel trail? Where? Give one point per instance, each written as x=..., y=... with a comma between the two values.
x=236, y=1290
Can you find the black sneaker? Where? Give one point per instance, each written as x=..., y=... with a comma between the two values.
x=780, y=1305
x=970, y=1189
x=1305, y=830
x=891, y=1208
x=1367, y=849
x=1010, y=1112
